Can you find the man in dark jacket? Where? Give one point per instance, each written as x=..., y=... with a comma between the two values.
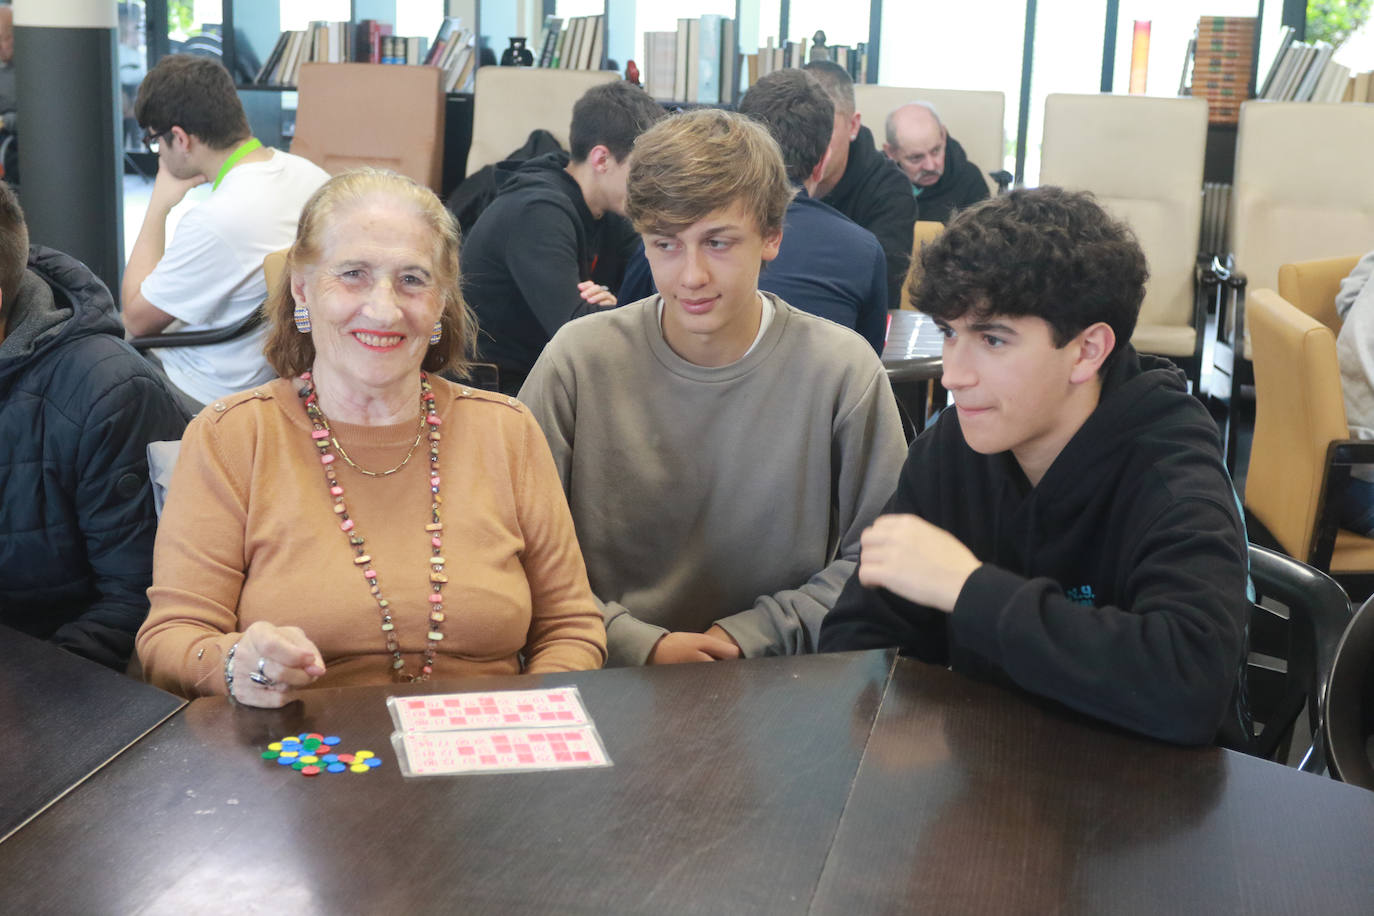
x=78, y=408
x=1068, y=526
x=861, y=183
x=553, y=244
x=942, y=178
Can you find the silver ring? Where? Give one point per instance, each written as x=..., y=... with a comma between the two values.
x=260, y=677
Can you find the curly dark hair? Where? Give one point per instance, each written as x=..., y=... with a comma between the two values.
x=611, y=115
x=799, y=115
x=1046, y=252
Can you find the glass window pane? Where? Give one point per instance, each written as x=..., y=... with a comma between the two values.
x=1172, y=24
x=1068, y=58
x=843, y=24
x=948, y=64
x=420, y=17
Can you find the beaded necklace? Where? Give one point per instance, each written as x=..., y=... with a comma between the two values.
x=323, y=439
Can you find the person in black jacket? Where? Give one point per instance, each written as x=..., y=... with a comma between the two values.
x=942, y=178
x=78, y=408
x=1068, y=525
x=862, y=183
x=554, y=243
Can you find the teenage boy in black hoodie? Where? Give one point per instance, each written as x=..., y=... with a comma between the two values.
x=553, y=244
x=1068, y=525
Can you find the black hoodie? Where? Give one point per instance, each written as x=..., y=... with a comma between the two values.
x=1117, y=586
x=960, y=185
x=874, y=193
x=78, y=408
x=525, y=255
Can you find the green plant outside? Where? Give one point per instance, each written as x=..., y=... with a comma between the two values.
x=1334, y=21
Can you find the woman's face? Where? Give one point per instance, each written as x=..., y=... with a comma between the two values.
x=373, y=296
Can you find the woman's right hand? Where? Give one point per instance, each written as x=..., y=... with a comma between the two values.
x=282, y=658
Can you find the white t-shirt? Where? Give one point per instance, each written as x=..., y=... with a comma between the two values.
x=211, y=273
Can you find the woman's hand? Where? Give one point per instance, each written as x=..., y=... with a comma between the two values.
x=271, y=661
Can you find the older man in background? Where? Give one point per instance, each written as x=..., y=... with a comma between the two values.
x=942, y=178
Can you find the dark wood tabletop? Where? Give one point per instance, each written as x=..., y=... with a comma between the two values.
x=975, y=799
x=823, y=784
x=62, y=717
x=727, y=786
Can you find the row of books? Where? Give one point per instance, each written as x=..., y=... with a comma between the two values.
x=1223, y=53
x=798, y=54
x=696, y=63
x=369, y=41
x=454, y=51
x=577, y=44
x=1303, y=72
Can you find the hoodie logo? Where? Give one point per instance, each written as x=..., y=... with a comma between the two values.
x=1083, y=594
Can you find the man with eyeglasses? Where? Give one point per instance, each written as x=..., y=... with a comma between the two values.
x=209, y=276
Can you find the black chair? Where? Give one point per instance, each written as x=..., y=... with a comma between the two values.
x=1349, y=723
x=1295, y=624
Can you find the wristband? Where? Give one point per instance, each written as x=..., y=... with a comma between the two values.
x=229, y=671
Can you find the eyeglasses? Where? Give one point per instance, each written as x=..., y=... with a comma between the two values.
x=153, y=140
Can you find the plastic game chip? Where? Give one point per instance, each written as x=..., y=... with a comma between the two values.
x=310, y=771
x=332, y=740
x=310, y=758
x=363, y=755
x=337, y=767
x=360, y=768
x=372, y=762
x=270, y=755
x=274, y=746
x=283, y=761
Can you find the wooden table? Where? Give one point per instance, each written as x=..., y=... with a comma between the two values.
x=728, y=784
x=974, y=799
x=62, y=717
x=912, y=357
x=838, y=784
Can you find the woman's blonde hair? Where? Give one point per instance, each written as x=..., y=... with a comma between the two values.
x=687, y=166
x=290, y=352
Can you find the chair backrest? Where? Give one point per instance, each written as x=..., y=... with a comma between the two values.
x=1295, y=626
x=1312, y=286
x=1349, y=719
x=369, y=114
x=1301, y=188
x=974, y=118
x=1298, y=411
x=1142, y=158
x=272, y=267
x=924, y=232
x=509, y=102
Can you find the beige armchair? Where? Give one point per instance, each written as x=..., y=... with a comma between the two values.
x=1301, y=449
x=972, y=118
x=1142, y=158
x=509, y=102
x=369, y=114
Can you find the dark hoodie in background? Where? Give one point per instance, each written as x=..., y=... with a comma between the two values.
x=524, y=257
x=960, y=185
x=1117, y=586
x=78, y=408
x=874, y=193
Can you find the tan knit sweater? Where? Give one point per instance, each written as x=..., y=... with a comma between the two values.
x=249, y=534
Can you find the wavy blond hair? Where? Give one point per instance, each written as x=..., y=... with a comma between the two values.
x=692, y=164
x=290, y=352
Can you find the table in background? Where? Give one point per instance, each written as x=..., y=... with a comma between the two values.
x=62, y=717
x=728, y=784
x=912, y=357
x=975, y=799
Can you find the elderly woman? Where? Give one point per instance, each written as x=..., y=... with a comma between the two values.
x=361, y=520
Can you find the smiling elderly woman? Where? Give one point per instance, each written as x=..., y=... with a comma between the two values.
x=360, y=520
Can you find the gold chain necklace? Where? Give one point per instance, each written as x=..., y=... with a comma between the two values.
x=429, y=419
x=358, y=467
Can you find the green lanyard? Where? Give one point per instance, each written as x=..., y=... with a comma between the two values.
x=248, y=146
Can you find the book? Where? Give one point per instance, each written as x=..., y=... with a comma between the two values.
x=596, y=44
x=708, y=60
x=693, y=60
x=558, y=47
x=1285, y=41
x=549, y=41
x=1322, y=53
x=265, y=71
x=1361, y=93
x=684, y=50
x=729, y=62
